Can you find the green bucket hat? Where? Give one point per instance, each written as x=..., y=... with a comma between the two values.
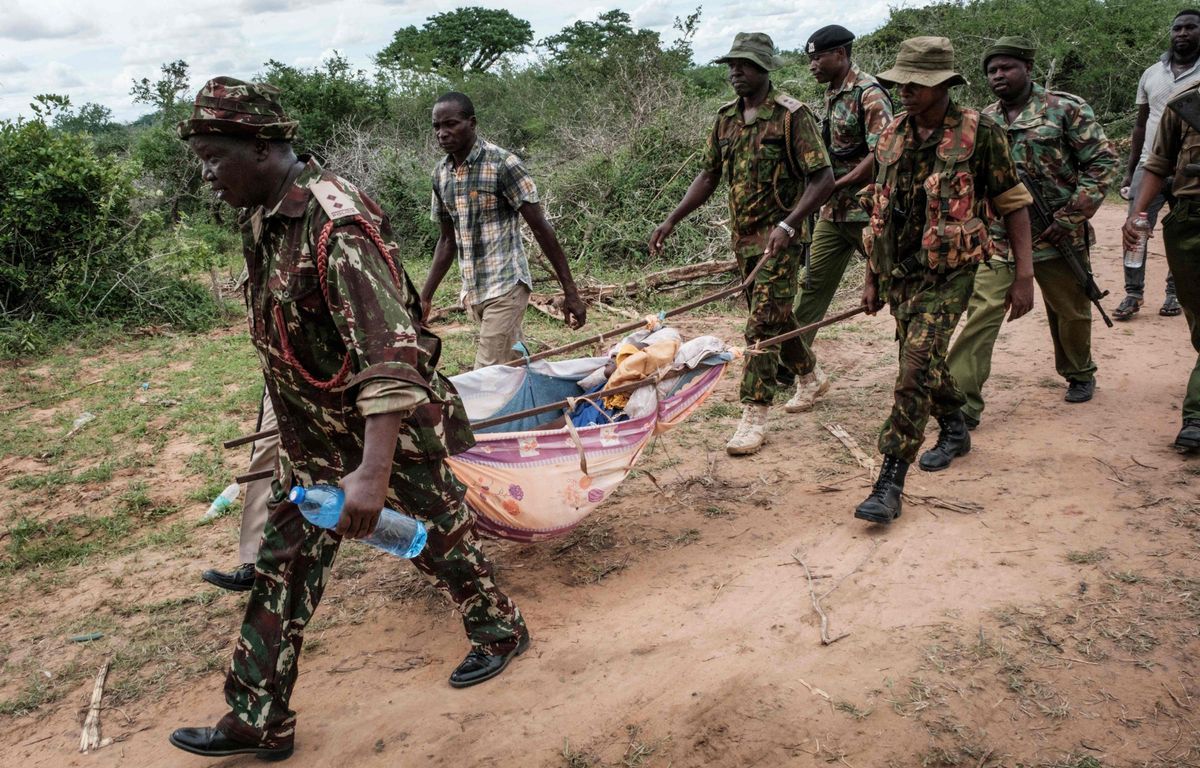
x=927, y=61
x=753, y=46
x=232, y=107
x=1011, y=45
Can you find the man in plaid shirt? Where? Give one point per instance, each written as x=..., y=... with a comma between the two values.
x=478, y=191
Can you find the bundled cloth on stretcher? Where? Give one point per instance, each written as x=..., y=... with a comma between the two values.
x=538, y=477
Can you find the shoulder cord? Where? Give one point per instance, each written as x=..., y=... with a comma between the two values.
x=289, y=355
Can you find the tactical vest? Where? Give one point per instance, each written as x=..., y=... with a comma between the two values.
x=956, y=232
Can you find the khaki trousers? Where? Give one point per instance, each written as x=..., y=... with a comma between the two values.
x=263, y=456
x=500, y=326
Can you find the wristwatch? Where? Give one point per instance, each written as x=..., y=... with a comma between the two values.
x=787, y=228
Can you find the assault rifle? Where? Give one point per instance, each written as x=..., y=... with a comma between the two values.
x=1041, y=216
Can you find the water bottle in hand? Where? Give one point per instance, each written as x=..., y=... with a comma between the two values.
x=1135, y=257
x=396, y=534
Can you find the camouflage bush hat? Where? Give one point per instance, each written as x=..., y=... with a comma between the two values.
x=232, y=107
x=1011, y=45
x=927, y=61
x=753, y=46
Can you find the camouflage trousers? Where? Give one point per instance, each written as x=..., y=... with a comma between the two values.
x=770, y=299
x=926, y=308
x=1181, y=236
x=293, y=567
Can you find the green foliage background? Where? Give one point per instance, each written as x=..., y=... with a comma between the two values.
x=108, y=224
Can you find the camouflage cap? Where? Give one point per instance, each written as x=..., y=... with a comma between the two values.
x=753, y=46
x=1011, y=45
x=232, y=107
x=927, y=61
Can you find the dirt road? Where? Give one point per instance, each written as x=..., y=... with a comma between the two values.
x=1037, y=605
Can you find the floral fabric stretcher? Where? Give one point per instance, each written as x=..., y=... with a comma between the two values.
x=526, y=479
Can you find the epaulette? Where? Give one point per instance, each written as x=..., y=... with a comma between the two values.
x=1069, y=96
x=334, y=200
x=787, y=102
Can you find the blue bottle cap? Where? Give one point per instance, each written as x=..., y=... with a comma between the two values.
x=297, y=494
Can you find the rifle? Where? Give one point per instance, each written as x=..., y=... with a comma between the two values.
x=1042, y=216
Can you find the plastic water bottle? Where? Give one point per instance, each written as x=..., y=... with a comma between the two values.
x=395, y=534
x=222, y=502
x=1135, y=257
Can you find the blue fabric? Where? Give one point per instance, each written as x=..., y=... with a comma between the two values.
x=537, y=389
x=587, y=415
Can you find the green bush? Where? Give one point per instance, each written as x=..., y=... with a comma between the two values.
x=73, y=251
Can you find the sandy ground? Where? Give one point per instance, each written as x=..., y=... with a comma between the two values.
x=1038, y=604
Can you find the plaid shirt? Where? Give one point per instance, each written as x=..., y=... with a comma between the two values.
x=481, y=198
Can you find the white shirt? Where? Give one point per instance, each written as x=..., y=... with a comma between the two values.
x=1154, y=89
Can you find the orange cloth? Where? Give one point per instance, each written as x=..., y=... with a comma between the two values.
x=635, y=364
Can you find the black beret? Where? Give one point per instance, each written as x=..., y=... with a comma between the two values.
x=828, y=38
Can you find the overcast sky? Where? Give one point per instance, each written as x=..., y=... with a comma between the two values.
x=92, y=50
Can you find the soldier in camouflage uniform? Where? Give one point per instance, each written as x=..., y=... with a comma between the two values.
x=1059, y=145
x=940, y=169
x=773, y=186
x=856, y=110
x=352, y=377
x=1173, y=156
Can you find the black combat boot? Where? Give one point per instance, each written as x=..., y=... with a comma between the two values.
x=1189, y=437
x=883, y=505
x=953, y=441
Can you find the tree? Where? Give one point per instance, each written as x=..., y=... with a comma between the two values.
x=165, y=159
x=610, y=35
x=164, y=93
x=326, y=98
x=469, y=39
x=1096, y=49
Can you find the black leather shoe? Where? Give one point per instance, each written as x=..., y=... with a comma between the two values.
x=883, y=505
x=1171, y=307
x=211, y=742
x=953, y=441
x=1189, y=437
x=1080, y=391
x=240, y=579
x=971, y=421
x=479, y=666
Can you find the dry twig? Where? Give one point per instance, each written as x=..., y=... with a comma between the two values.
x=816, y=600
x=864, y=461
x=43, y=399
x=89, y=739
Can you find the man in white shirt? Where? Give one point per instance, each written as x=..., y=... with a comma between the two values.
x=1179, y=66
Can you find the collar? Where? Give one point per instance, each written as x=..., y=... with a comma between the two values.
x=848, y=83
x=952, y=119
x=1165, y=60
x=472, y=156
x=736, y=107
x=295, y=201
x=1034, y=109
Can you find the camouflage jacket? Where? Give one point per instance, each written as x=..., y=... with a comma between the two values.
x=367, y=323
x=856, y=112
x=931, y=197
x=1176, y=145
x=1057, y=141
x=753, y=158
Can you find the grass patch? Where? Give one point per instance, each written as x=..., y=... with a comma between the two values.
x=1088, y=557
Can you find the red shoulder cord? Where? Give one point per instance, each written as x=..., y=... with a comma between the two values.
x=285, y=344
